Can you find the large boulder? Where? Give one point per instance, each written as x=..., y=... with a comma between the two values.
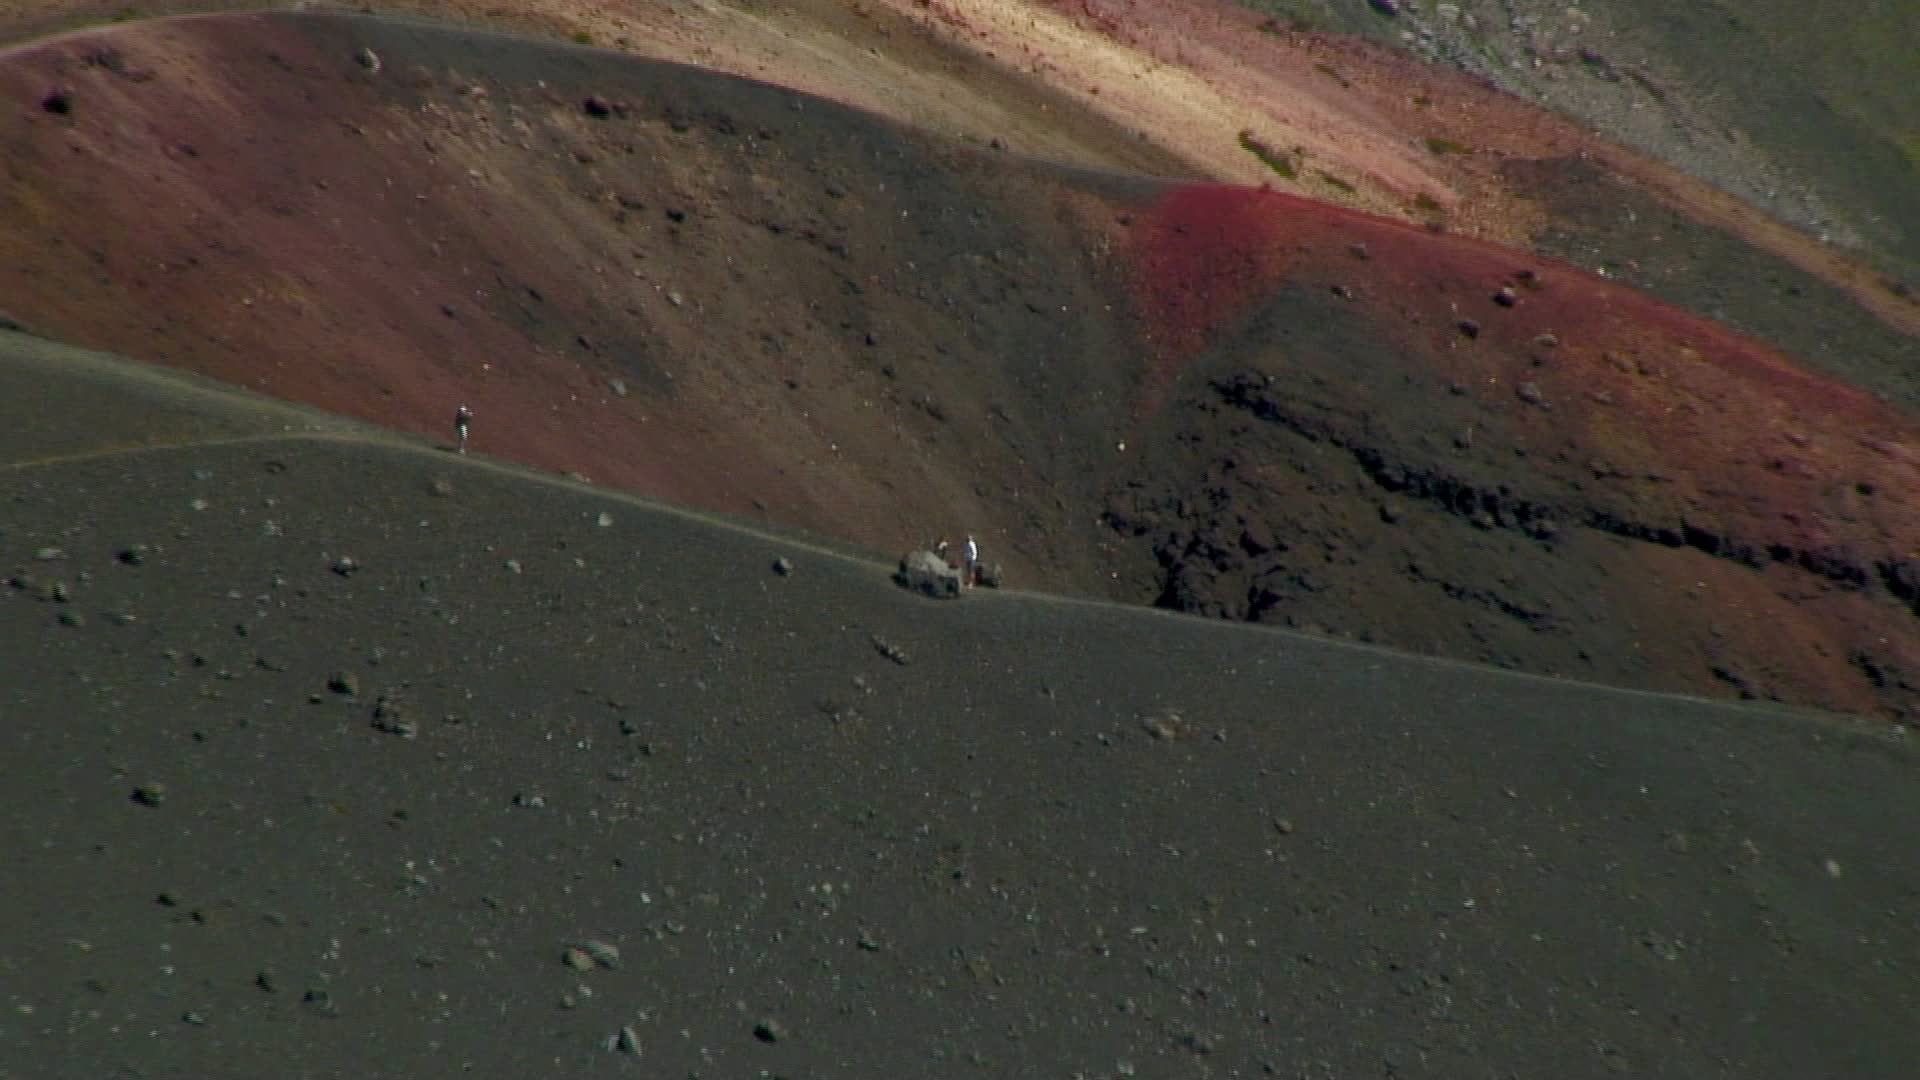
x=928, y=574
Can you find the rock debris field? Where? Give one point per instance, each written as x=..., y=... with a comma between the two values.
x=331, y=754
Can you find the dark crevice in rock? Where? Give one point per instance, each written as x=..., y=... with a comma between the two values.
x=1901, y=577
x=1500, y=507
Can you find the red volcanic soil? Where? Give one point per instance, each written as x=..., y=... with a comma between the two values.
x=1754, y=507
x=1619, y=364
x=811, y=313
x=727, y=294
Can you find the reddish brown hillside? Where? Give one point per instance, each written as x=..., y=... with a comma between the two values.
x=1209, y=88
x=737, y=297
x=1421, y=438
x=712, y=290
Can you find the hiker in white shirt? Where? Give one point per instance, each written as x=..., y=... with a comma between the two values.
x=971, y=567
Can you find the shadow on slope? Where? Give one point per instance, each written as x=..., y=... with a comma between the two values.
x=329, y=751
x=745, y=299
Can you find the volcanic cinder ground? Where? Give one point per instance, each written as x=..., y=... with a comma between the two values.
x=335, y=754
x=609, y=748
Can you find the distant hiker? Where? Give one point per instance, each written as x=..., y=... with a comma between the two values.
x=970, y=570
x=462, y=419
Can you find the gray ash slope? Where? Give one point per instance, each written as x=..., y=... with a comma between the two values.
x=323, y=750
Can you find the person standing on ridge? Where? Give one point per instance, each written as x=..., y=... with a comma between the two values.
x=971, y=569
x=462, y=419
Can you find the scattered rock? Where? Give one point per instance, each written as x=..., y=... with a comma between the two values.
x=1256, y=537
x=50, y=554
x=390, y=716
x=596, y=106
x=604, y=520
x=58, y=102
x=928, y=574
x=1506, y=297
x=577, y=959
x=1469, y=328
x=368, y=59
x=344, y=682
x=628, y=1041
x=345, y=566
x=1165, y=726
x=1530, y=393
x=783, y=566
x=132, y=556
x=769, y=1030
x=603, y=954
x=440, y=487
x=618, y=386
x=1283, y=826
x=151, y=793
x=72, y=619
x=320, y=1000
x=1359, y=251
x=1200, y=1042
x=1738, y=680
x=889, y=650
